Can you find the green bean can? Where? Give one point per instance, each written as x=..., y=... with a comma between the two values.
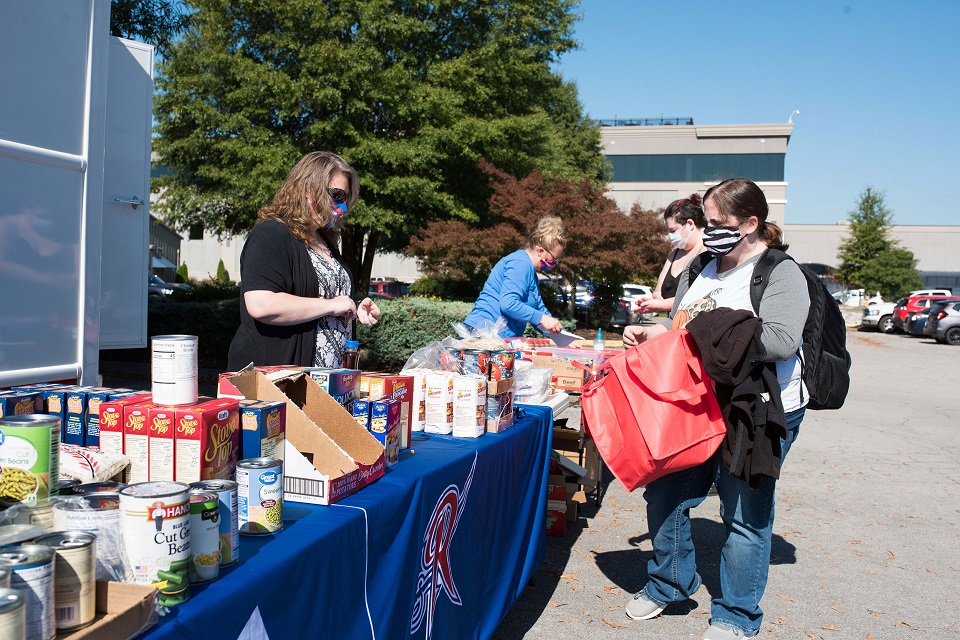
x=155, y=520
x=29, y=457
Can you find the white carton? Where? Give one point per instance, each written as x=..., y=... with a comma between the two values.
x=439, y=403
x=469, y=406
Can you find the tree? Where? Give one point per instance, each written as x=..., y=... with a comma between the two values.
x=604, y=245
x=157, y=22
x=868, y=257
x=412, y=93
x=182, y=274
x=222, y=276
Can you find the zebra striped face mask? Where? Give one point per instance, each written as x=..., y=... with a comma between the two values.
x=721, y=240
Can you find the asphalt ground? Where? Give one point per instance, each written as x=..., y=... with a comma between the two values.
x=867, y=535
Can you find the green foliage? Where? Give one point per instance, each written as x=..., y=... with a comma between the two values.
x=182, y=274
x=207, y=290
x=444, y=288
x=222, y=276
x=412, y=93
x=869, y=258
x=214, y=322
x=893, y=273
x=157, y=22
x=407, y=324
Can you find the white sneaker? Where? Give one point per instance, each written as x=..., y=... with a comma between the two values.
x=643, y=608
x=724, y=631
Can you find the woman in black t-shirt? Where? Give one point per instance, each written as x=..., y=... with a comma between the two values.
x=296, y=305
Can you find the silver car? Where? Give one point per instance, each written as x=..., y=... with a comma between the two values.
x=947, y=324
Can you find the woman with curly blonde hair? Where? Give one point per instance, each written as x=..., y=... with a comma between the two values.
x=296, y=305
x=512, y=291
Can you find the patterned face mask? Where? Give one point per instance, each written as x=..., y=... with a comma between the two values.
x=338, y=209
x=721, y=240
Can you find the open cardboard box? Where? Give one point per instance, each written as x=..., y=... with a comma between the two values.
x=327, y=455
x=123, y=611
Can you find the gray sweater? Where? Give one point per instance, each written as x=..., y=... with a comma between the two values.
x=783, y=307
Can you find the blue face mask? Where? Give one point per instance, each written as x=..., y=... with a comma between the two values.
x=338, y=210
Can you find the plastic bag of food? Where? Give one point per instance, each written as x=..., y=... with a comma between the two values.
x=486, y=335
x=97, y=513
x=88, y=465
x=437, y=356
x=532, y=383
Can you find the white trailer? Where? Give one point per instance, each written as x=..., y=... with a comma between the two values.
x=75, y=121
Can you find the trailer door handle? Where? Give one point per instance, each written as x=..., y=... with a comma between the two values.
x=136, y=202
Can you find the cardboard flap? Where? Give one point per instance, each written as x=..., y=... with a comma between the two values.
x=334, y=420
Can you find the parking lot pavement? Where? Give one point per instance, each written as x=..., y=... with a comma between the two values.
x=867, y=536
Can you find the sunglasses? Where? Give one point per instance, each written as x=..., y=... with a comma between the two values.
x=339, y=196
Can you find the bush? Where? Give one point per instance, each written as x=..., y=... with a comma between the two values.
x=207, y=291
x=182, y=274
x=406, y=324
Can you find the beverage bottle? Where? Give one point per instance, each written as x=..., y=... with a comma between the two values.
x=598, y=341
x=351, y=354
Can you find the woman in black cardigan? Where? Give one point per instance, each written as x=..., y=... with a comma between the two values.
x=296, y=305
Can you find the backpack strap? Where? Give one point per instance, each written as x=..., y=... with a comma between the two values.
x=697, y=264
x=761, y=274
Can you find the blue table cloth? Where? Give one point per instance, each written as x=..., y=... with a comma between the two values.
x=440, y=547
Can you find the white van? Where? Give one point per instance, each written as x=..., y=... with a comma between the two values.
x=930, y=292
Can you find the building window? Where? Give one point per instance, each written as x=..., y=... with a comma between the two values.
x=759, y=167
x=195, y=232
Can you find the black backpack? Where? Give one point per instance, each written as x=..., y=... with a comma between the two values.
x=825, y=361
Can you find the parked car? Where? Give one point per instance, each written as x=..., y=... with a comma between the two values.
x=914, y=322
x=157, y=287
x=879, y=316
x=912, y=304
x=625, y=314
x=937, y=311
x=946, y=324
x=930, y=292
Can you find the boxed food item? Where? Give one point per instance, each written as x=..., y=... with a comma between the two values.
x=499, y=412
x=361, y=412
x=75, y=424
x=136, y=441
x=327, y=455
x=207, y=440
x=263, y=427
x=113, y=419
x=418, y=400
x=469, y=406
x=439, y=403
x=36, y=390
x=55, y=403
x=341, y=384
x=160, y=447
x=95, y=399
x=396, y=386
x=385, y=425
x=18, y=403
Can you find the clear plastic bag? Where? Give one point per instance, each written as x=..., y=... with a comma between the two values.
x=437, y=356
x=97, y=513
x=532, y=383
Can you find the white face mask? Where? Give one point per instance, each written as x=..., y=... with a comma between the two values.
x=677, y=239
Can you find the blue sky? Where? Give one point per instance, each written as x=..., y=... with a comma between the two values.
x=877, y=84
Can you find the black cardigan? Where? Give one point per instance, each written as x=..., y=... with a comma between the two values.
x=273, y=259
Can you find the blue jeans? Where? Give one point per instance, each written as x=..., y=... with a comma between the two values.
x=748, y=517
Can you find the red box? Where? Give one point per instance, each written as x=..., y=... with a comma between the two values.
x=112, y=420
x=161, y=452
x=396, y=386
x=207, y=441
x=136, y=441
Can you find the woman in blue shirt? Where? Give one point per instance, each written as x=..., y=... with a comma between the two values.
x=512, y=292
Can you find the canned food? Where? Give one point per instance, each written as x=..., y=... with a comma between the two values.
x=501, y=364
x=29, y=457
x=14, y=535
x=4, y=578
x=174, y=369
x=476, y=361
x=226, y=491
x=155, y=520
x=13, y=614
x=39, y=513
x=98, y=514
x=75, y=580
x=260, y=496
x=98, y=487
x=204, y=536
x=66, y=486
x=31, y=573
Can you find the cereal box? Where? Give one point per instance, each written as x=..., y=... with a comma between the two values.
x=263, y=427
x=207, y=441
x=469, y=406
x=439, y=403
x=385, y=426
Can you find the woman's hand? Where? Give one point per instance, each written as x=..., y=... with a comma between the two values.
x=340, y=306
x=368, y=313
x=551, y=324
x=653, y=304
x=635, y=334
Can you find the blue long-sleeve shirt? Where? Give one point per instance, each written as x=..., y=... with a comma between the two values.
x=512, y=293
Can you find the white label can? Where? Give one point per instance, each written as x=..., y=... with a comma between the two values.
x=174, y=369
x=260, y=495
x=31, y=568
x=97, y=513
x=155, y=519
x=75, y=582
x=13, y=615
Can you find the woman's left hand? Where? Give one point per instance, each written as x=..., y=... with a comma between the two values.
x=368, y=313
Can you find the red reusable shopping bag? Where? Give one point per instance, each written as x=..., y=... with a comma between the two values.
x=654, y=412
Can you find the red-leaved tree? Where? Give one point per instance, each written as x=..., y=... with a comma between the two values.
x=604, y=244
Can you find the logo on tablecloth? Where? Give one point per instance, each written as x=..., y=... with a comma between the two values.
x=435, y=571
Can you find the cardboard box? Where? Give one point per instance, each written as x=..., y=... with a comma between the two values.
x=124, y=611
x=499, y=387
x=327, y=455
x=161, y=450
x=499, y=412
x=396, y=386
x=385, y=426
x=469, y=406
x=36, y=390
x=263, y=427
x=439, y=403
x=361, y=412
x=566, y=375
x=95, y=399
x=207, y=440
x=556, y=506
x=592, y=463
x=136, y=441
x=17, y=403
x=418, y=404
